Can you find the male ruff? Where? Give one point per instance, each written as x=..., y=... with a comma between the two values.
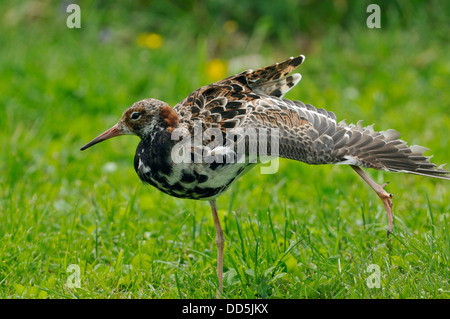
x=252, y=101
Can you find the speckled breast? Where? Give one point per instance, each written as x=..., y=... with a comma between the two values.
x=204, y=181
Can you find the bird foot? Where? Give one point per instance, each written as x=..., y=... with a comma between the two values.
x=385, y=197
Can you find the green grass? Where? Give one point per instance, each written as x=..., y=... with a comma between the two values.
x=305, y=232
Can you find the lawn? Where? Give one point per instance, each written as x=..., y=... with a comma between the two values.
x=304, y=232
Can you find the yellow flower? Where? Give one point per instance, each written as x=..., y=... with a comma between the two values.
x=150, y=40
x=216, y=69
x=230, y=26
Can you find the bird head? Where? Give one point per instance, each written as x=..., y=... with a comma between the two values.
x=141, y=119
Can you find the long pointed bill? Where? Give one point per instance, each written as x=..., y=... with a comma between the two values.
x=114, y=131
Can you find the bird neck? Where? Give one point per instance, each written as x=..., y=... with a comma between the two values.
x=153, y=155
x=167, y=121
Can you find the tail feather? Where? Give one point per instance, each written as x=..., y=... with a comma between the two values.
x=385, y=151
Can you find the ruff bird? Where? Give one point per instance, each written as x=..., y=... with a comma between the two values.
x=193, y=150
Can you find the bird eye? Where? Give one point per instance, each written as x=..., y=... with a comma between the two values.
x=135, y=116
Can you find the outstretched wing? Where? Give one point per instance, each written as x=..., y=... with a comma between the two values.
x=253, y=100
x=313, y=136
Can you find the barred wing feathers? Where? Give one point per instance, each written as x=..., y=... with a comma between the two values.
x=253, y=99
x=313, y=136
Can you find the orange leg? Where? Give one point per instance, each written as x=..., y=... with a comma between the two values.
x=386, y=198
